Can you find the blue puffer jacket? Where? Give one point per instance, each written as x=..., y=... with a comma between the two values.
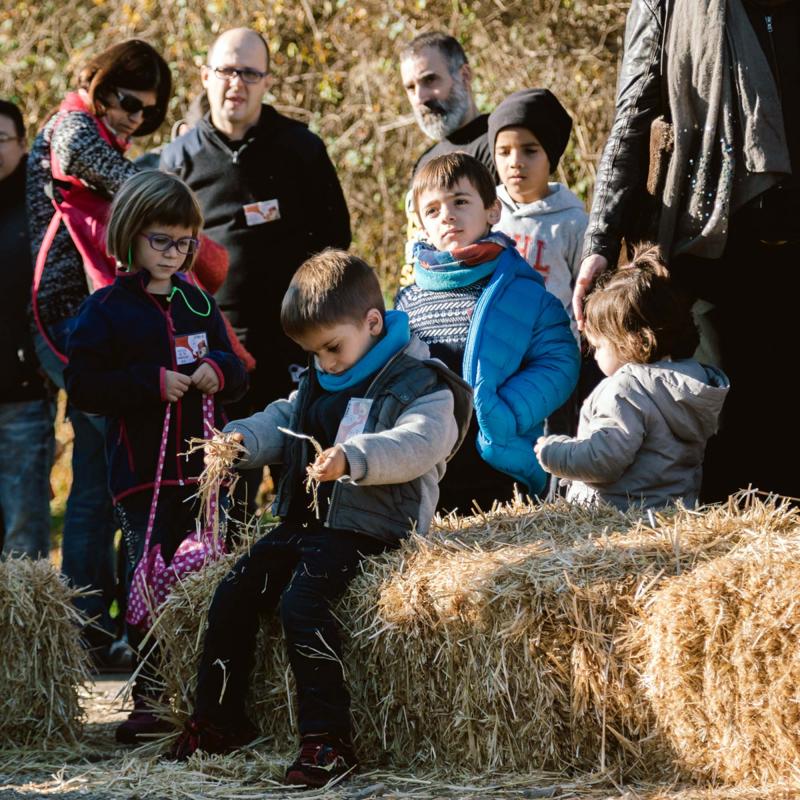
x=522, y=363
x=119, y=351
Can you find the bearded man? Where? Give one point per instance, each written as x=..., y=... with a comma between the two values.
x=438, y=82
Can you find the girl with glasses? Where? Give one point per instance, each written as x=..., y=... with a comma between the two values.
x=152, y=339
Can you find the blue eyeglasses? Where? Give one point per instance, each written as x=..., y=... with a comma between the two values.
x=186, y=245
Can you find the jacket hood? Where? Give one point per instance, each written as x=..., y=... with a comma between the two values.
x=688, y=394
x=559, y=200
x=416, y=348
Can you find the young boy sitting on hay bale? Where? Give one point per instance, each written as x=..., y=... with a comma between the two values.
x=387, y=418
x=643, y=430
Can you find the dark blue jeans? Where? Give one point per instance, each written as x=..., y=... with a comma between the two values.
x=305, y=569
x=26, y=455
x=87, y=555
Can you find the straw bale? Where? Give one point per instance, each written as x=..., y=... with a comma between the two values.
x=506, y=641
x=43, y=666
x=722, y=672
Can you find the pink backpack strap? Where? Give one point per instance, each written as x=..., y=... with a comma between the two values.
x=212, y=508
x=213, y=501
x=162, y=454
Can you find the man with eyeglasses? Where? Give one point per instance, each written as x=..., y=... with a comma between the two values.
x=269, y=194
x=26, y=411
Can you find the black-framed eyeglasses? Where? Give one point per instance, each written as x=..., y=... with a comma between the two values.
x=131, y=104
x=186, y=245
x=5, y=138
x=246, y=74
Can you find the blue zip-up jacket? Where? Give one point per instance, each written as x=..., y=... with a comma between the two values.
x=522, y=363
x=122, y=345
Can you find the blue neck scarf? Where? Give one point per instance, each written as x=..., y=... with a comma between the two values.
x=397, y=336
x=440, y=270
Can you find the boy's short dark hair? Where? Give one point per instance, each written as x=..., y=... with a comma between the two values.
x=10, y=110
x=640, y=313
x=329, y=288
x=444, y=172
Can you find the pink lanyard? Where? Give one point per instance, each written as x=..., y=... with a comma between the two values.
x=208, y=424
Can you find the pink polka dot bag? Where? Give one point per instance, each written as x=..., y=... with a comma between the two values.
x=153, y=579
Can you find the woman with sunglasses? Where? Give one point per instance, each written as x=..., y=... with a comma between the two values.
x=76, y=165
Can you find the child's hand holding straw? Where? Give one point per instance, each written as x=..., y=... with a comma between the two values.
x=329, y=465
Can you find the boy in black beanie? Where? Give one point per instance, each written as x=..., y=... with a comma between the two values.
x=528, y=133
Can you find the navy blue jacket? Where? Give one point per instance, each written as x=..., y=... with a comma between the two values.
x=122, y=345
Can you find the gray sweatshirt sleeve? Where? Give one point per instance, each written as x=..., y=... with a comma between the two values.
x=263, y=440
x=424, y=436
x=614, y=435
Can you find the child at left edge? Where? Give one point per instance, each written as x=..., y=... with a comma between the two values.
x=130, y=355
x=486, y=314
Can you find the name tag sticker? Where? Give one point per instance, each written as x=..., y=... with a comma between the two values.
x=190, y=348
x=354, y=419
x=261, y=212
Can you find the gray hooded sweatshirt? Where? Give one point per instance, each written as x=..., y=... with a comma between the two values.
x=549, y=236
x=642, y=436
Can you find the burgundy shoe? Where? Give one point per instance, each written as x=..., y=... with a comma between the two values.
x=200, y=734
x=322, y=759
x=142, y=724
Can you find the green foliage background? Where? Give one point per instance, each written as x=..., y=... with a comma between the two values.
x=335, y=67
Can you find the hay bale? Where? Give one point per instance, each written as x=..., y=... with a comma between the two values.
x=43, y=663
x=501, y=642
x=722, y=670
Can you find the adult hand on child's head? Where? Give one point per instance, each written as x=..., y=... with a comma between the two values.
x=206, y=379
x=591, y=267
x=175, y=385
x=329, y=465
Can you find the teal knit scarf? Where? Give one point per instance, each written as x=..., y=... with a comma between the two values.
x=397, y=336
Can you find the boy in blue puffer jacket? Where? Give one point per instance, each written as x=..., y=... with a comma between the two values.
x=482, y=310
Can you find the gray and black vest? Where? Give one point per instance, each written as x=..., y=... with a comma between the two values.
x=388, y=511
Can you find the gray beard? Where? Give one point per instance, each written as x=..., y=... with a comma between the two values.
x=436, y=125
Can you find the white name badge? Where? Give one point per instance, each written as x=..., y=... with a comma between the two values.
x=354, y=419
x=190, y=348
x=261, y=212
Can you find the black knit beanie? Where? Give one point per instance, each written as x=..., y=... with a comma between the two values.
x=539, y=111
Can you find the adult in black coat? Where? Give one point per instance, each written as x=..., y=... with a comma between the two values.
x=269, y=194
x=726, y=211
x=26, y=410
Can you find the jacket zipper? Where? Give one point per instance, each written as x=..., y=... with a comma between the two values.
x=123, y=439
x=776, y=64
x=470, y=348
x=178, y=405
x=371, y=386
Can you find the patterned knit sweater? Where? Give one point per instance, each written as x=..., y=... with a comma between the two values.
x=83, y=153
x=441, y=319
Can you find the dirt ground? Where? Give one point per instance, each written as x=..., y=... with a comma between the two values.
x=97, y=768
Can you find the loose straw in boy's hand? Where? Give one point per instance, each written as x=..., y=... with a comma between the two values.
x=222, y=452
x=329, y=465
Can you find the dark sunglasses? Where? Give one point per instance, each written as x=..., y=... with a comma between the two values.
x=160, y=242
x=133, y=105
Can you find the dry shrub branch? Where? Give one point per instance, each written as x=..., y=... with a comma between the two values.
x=336, y=69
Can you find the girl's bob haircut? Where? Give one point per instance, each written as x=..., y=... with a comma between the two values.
x=639, y=312
x=148, y=198
x=132, y=64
